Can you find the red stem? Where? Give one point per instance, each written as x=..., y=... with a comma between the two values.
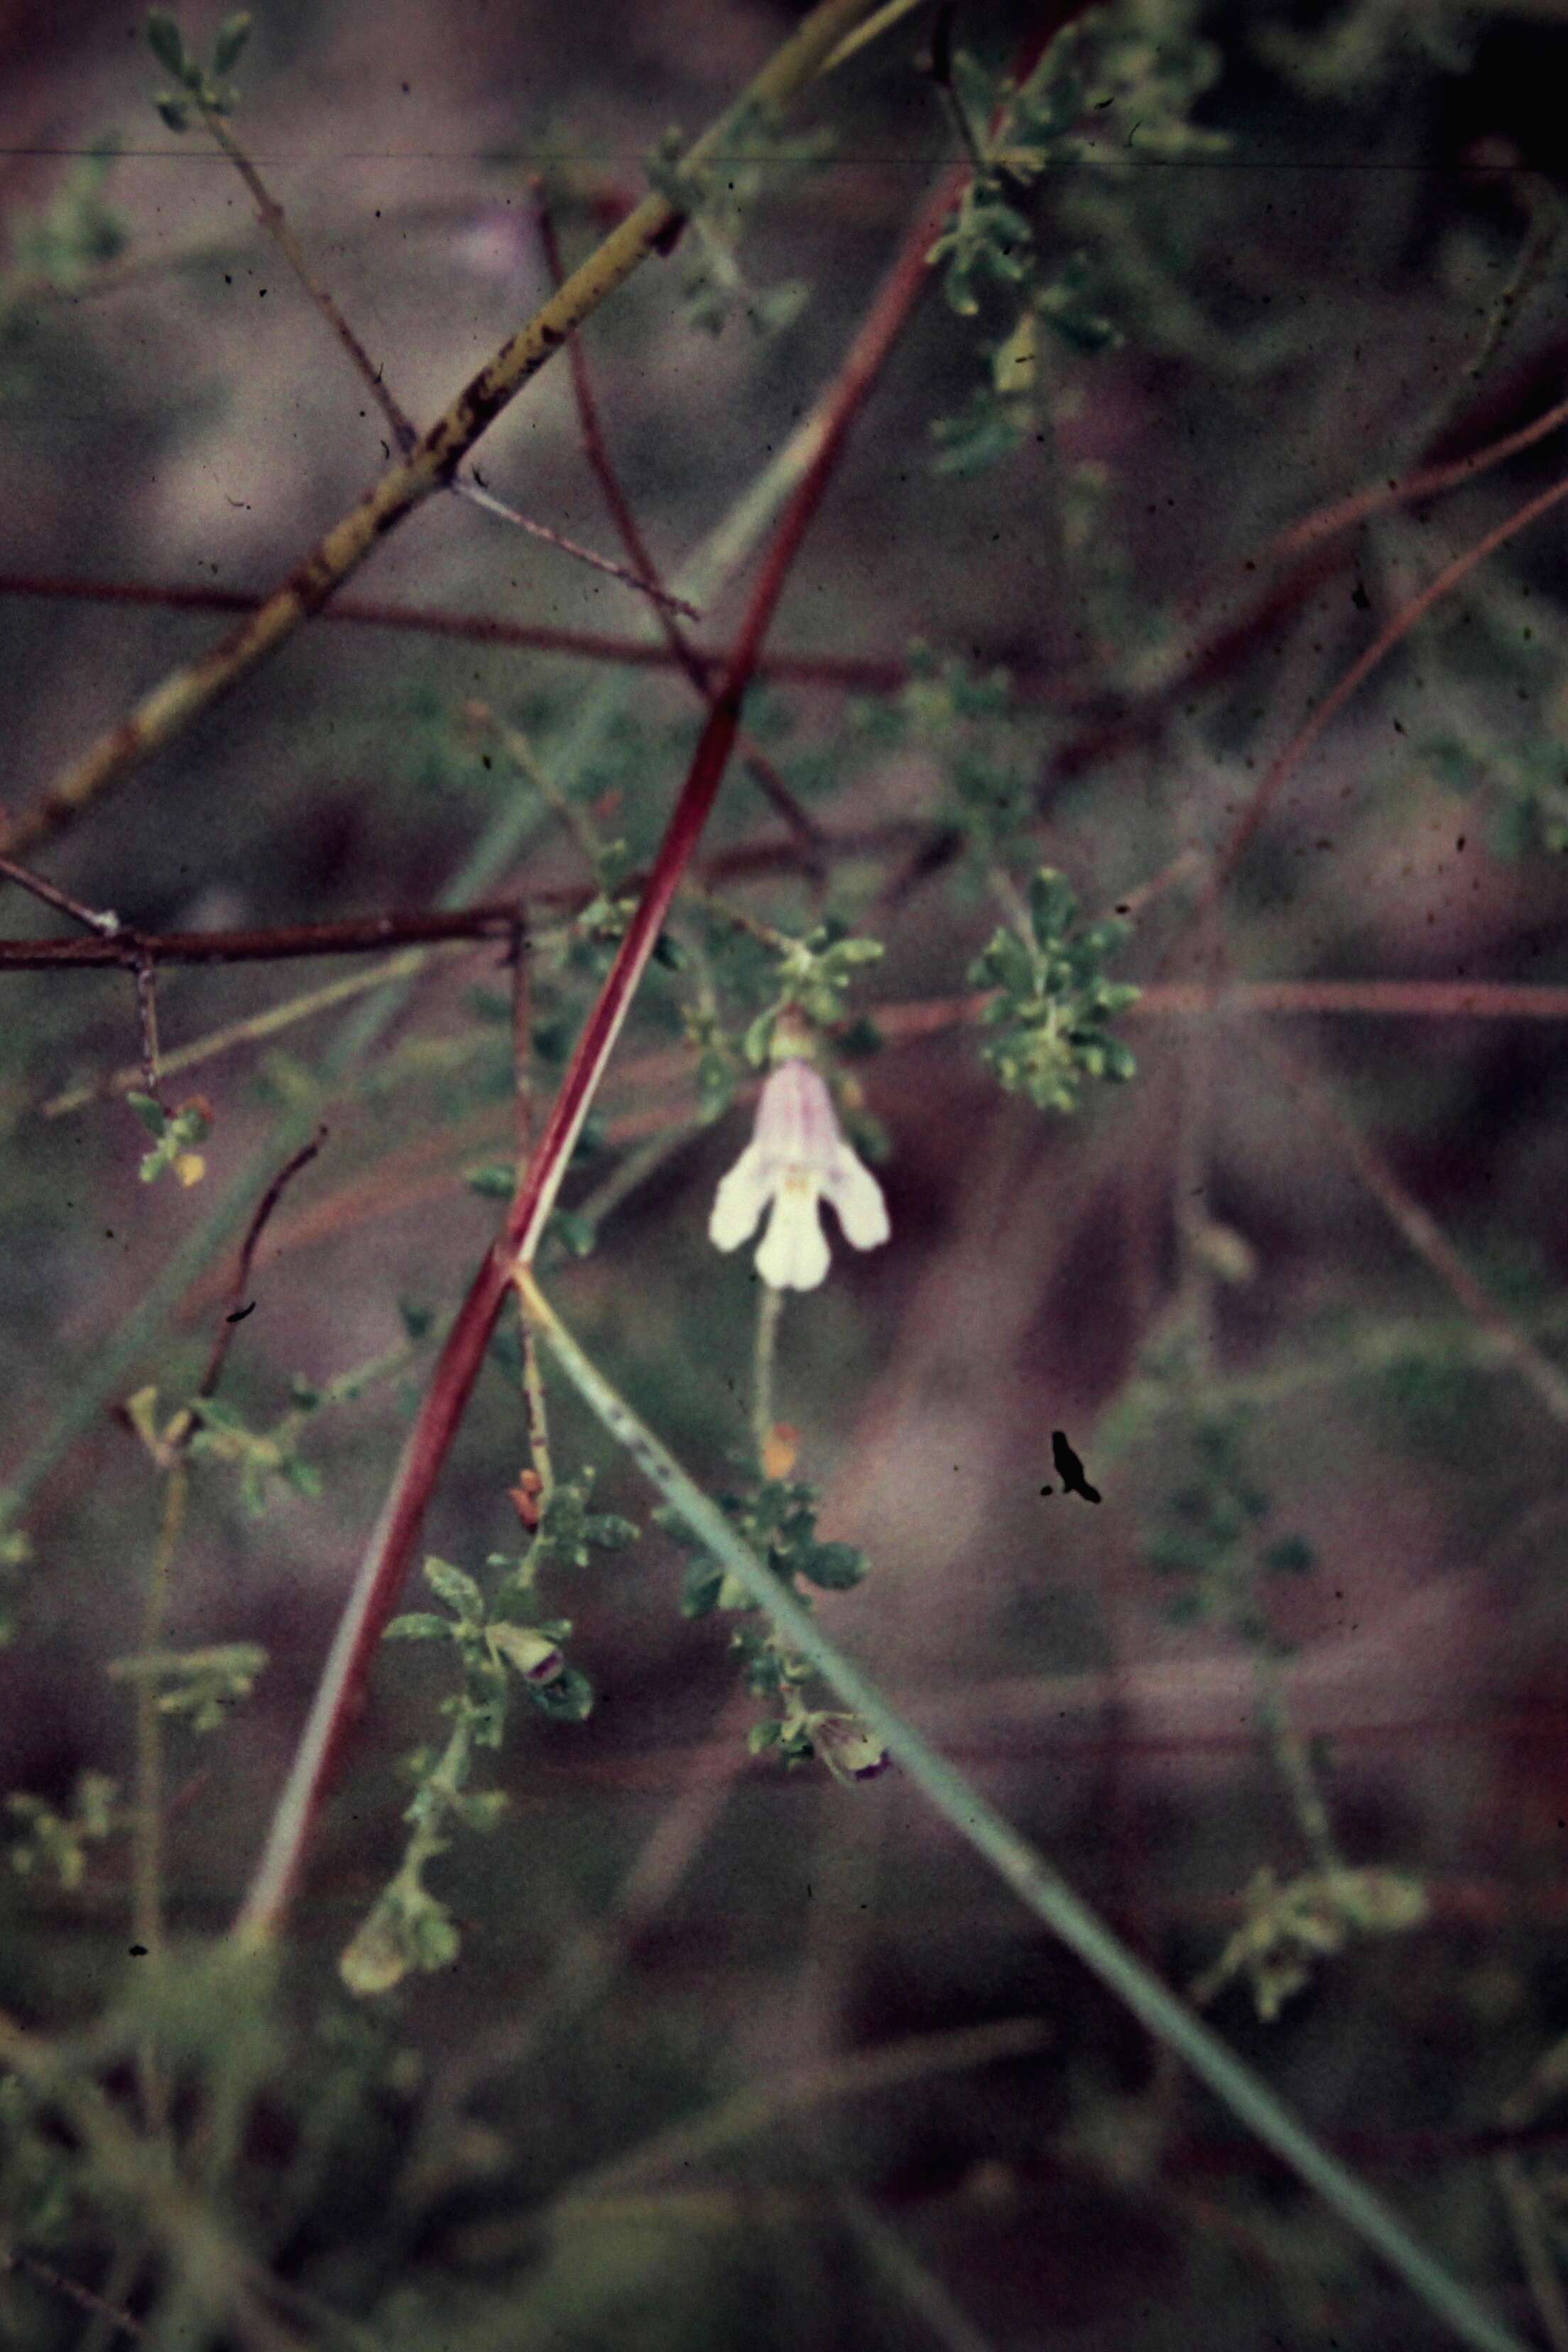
x=341, y=1694
x=840, y=673
x=1382, y=645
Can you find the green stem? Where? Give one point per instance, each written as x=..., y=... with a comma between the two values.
x=770, y=1307
x=147, y=1834
x=1040, y=1887
x=537, y=1412
x=1293, y=1762
x=147, y=1813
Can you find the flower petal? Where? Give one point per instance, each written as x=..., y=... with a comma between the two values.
x=858, y=1197
x=794, y=1254
x=741, y=1197
x=796, y=1121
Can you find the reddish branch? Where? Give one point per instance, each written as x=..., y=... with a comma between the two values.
x=1424, y=1235
x=234, y=1305
x=355, y=935
x=347, y=1673
x=842, y=672
x=1398, y=628
x=596, y=449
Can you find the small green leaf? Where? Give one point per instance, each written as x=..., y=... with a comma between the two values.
x=150, y=1113
x=699, y=1587
x=232, y=37
x=610, y=1532
x=460, y=1593
x=759, y=1037
x=578, y=1233
x=1292, y=1556
x=418, y=1625
x=834, y=1567
x=497, y=1181
x=166, y=42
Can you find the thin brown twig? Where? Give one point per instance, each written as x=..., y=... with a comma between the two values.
x=404, y=1181
x=470, y=487
x=234, y=1305
x=103, y=924
x=404, y=433
x=147, y=1023
x=281, y=943
x=1422, y=1233
x=253, y=1027
x=1285, y=765
x=181, y=698
x=836, y=673
x=521, y=962
x=1411, y=490
x=13, y=2259
x=596, y=449
x=275, y=222
x=1217, y=654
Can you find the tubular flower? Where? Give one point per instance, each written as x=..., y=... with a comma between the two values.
x=797, y=1157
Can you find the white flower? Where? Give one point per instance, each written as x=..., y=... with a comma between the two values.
x=796, y=1156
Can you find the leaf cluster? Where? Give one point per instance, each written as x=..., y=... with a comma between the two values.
x=202, y=1684
x=175, y=1138
x=58, y=1842
x=778, y=1522
x=1526, y=784
x=812, y=978
x=201, y=89
x=15, y=1551
x=1286, y=1929
x=1209, y=1539
x=1053, y=1000
x=1129, y=72
x=260, y=1456
x=501, y=1640
x=76, y=234
x=968, y=723
x=716, y=198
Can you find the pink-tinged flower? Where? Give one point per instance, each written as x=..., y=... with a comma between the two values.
x=849, y=1750
x=535, y=1656
x=796, y=1160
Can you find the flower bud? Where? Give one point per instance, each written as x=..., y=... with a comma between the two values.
x=535, y=1656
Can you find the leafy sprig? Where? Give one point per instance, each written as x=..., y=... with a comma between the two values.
x=15, y=1551
x=1126, y=71
x=1053, y=1000
x=75, y=235
x=204, y=1684
x=1287, y=1930
x=502, y=1641
x=716, y=199
x=175, y=1138
x=266, y=1459
x=58, y=1842
x=199, y=89
x=812, y=979
x=778, y=1521
x=1526, y=783
x=1209, y=1542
